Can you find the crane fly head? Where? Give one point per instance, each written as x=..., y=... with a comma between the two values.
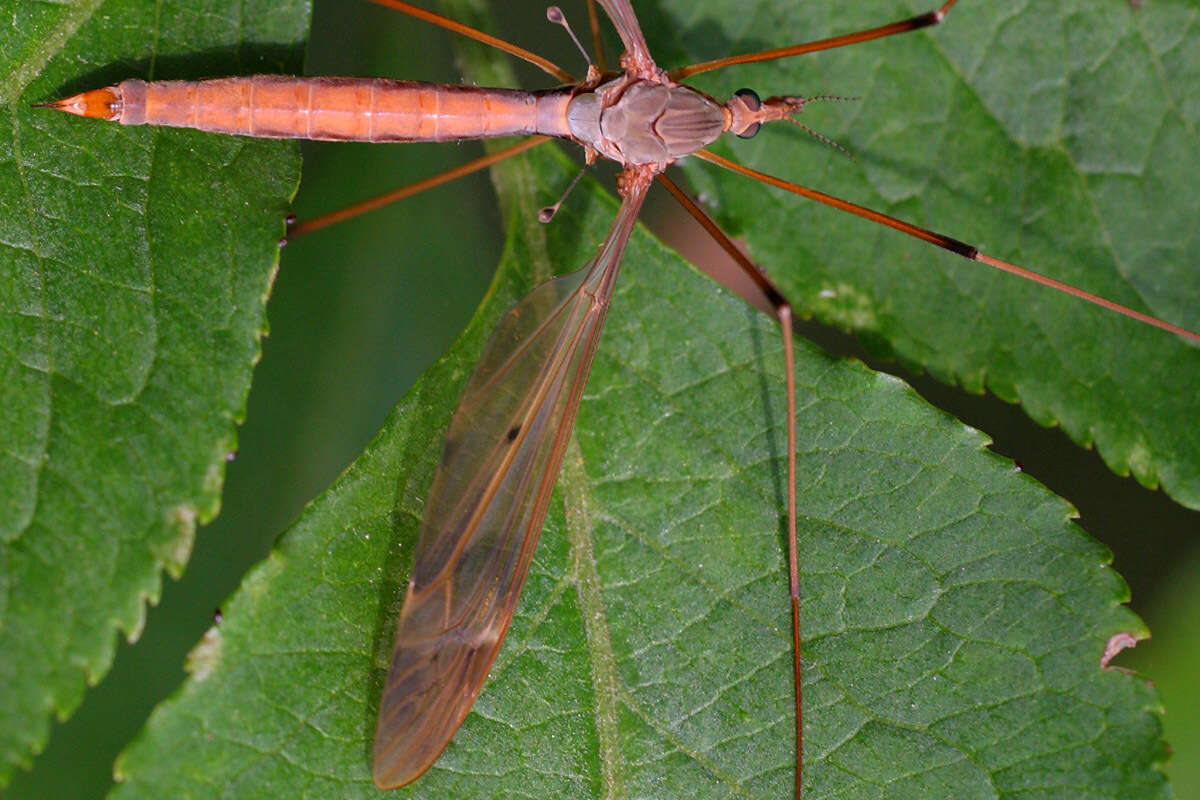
x=746, y=113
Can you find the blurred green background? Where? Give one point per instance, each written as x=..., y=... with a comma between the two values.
x=360, y=310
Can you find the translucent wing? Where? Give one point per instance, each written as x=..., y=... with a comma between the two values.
x=486, y=507
x=626, y=23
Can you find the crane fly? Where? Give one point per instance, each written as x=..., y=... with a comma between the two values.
x=508, y=435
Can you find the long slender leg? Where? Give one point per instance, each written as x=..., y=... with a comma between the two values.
x=325, y=220
x=766, y=296
x=479, y=36
x=789, y=357
x=758, y=290
x=945, y=242
x=597, y=42
x=636, y=60
x=926, y=20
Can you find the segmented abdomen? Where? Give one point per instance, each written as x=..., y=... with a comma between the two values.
x=342, y=109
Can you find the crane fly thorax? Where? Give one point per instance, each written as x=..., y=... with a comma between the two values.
x=637, y=122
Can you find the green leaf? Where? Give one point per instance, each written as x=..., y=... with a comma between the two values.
x=1060, y=136
x=136, y=267
x=954, y=618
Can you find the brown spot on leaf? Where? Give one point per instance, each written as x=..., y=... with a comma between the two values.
x=1116, y=643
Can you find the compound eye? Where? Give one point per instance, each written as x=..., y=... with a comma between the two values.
x=750, y=131
x=750, y=98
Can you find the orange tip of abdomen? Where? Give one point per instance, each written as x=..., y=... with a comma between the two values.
x=99, y=104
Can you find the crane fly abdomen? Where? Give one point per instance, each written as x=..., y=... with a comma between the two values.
x=632, y=121
x=339, y=109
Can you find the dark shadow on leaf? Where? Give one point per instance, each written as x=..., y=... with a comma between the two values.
x=270, y=59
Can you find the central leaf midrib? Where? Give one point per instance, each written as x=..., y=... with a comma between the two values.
x=586, y=579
